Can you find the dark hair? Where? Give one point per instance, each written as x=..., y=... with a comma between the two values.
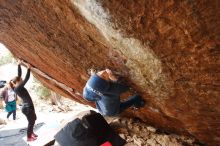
x=11, y=85
x=16, y=79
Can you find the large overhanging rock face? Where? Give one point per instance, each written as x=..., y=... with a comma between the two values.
x=168, y=51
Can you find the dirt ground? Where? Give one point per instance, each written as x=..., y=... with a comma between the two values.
x=138, y=133
x=135, y=132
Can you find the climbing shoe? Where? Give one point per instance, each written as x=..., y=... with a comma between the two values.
x=31, y=138
x=34, y=135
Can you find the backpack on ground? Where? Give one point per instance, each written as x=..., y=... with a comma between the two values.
x=89, y=130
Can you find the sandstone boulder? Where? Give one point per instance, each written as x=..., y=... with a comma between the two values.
x=168, y=51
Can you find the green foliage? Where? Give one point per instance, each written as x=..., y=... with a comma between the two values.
x=41, y=91
x=7, y=58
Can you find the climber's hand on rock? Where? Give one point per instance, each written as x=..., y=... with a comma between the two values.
x=29, y=66
x=108, y=71
x=92, y=71
x=112, y=77
x=20, y=61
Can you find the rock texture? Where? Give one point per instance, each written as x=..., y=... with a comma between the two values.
x=137, y=133
x=168, y=51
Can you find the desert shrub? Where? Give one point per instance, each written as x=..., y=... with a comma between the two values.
x=41, y=91
x=7, y=58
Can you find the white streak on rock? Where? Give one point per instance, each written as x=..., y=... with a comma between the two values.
x=146, y=68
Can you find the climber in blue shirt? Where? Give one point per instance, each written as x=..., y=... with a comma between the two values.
x=104, y=89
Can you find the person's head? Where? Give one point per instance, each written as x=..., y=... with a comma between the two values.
x=10, y=85
x=16, y=81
